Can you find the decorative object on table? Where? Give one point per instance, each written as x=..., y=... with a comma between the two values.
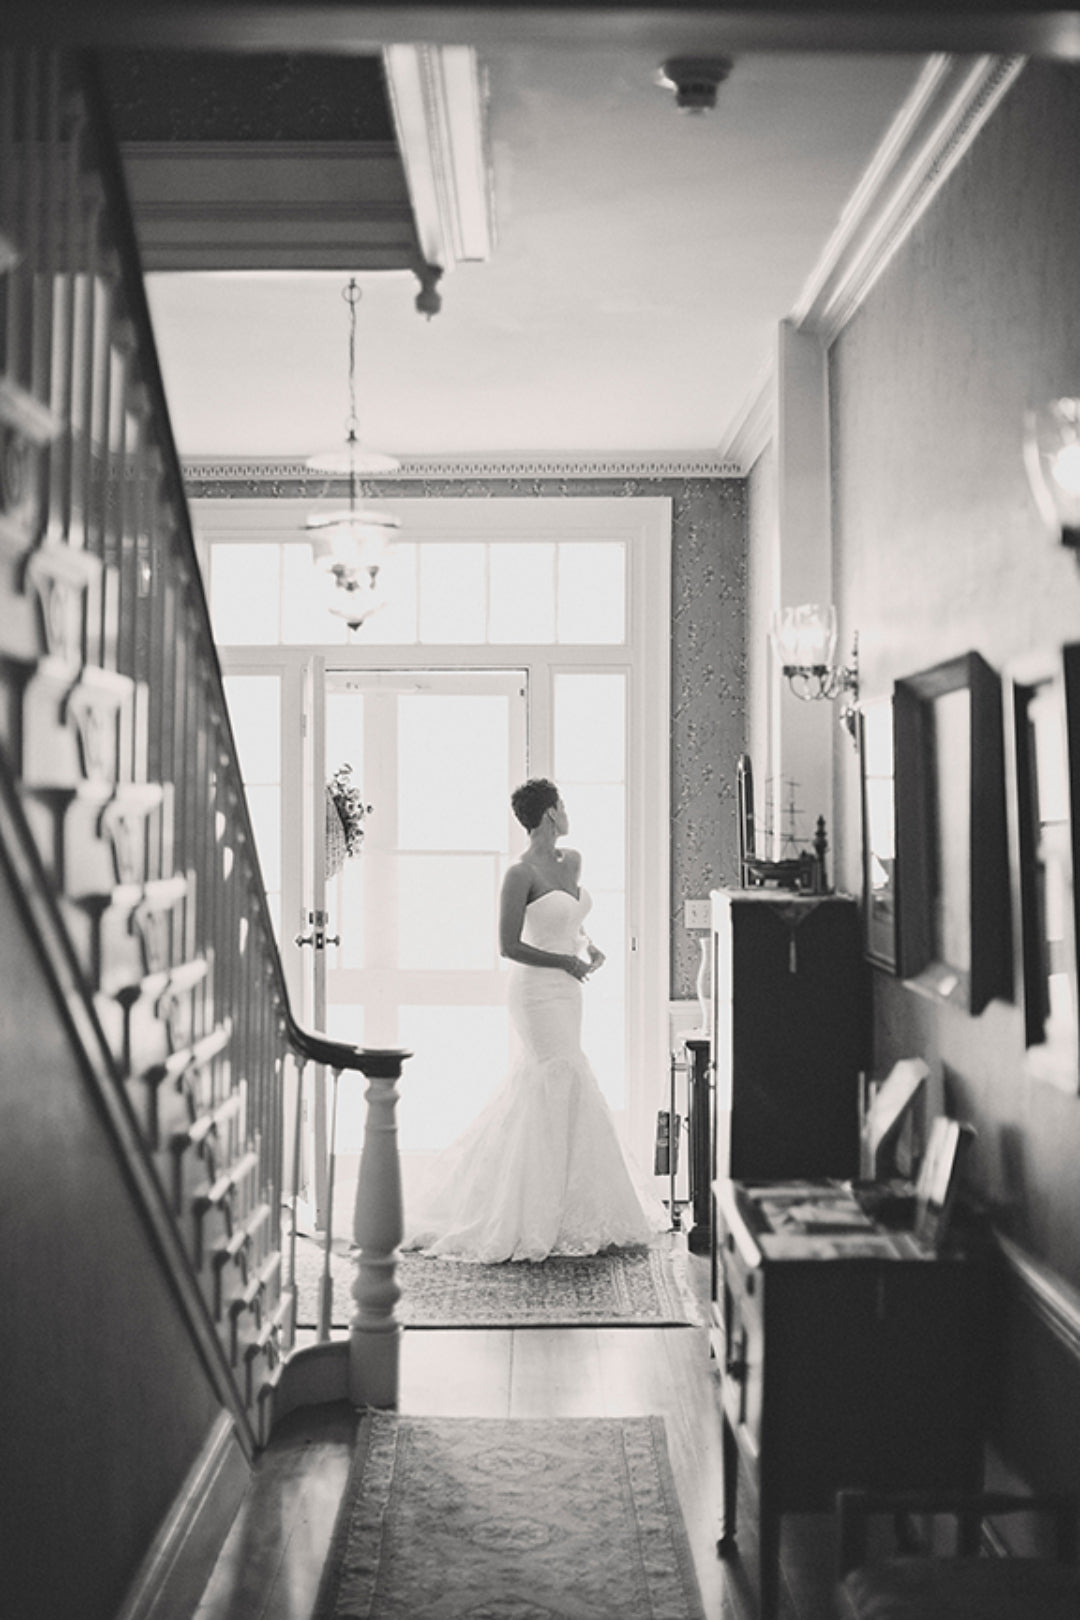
x=704, y=984
x=802, y=870
x=345, y=812
x=510, y=1516
x=646, y=1287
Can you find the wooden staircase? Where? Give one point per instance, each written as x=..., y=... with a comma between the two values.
x=123, y=808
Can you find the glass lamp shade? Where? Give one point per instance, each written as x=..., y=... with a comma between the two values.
x=1052, y=456
x=355, y=594
x=805, y=637
x=350, y=540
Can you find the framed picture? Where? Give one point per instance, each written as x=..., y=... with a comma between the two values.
x=879, y=831
x=1043, y=769
x=953, y=931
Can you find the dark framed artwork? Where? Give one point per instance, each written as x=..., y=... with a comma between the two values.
x=953, y=930
x=876, y=775
x=1043, y=738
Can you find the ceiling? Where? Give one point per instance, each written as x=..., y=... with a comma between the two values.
x=642, y=261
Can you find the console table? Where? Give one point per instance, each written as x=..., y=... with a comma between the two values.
x=849, y=1358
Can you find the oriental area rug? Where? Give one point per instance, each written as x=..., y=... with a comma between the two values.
x=510, y=1519
x=643, y=1287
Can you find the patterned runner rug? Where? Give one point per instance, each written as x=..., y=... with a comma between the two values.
x=517, y=1519
x=644, y=1287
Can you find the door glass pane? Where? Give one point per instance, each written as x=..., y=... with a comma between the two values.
x=592, y=592
x=265, y=806
x=345, y=733
x=590, y=728
x=453, y=593
x=452, y=771
x=598, y=830
x=255, y=711
x=447, y=912
x=522, y=593
x=245, y=593
x=606, y=925
x=460, y=1056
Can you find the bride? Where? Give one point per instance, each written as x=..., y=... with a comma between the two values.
x=540, y=1171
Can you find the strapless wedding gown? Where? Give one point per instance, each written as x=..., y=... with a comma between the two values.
x=540, y=1170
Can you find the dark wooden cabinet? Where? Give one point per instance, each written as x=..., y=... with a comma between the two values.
x=845, y=1369
x=789, y=1038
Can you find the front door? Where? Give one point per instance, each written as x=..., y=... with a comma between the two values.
x=435, y=755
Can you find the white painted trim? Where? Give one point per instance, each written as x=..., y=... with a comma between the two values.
x=512, y=464
x=196, y=1523
x=438, y=96
x=1054, y=1301
x=754, y=427
x=936, y=125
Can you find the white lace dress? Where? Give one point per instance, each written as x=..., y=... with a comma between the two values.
x=540, y=1170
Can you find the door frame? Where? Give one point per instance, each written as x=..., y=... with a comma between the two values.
x=644, y=524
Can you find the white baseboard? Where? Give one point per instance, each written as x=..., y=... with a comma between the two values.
x=174, y=1573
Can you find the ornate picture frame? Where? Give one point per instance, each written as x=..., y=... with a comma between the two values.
x=953, y=926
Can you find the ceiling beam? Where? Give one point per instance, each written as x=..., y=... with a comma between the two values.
x=438, y=96
x=1029, y=27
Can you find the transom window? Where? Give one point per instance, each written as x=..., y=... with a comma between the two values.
x=438, y=593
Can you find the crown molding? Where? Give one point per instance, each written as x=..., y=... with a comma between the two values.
x=438, y=98
x=565, y=465
x=937, y=124
x=755, y=425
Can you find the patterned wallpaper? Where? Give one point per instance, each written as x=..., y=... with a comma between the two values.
x=708, y=654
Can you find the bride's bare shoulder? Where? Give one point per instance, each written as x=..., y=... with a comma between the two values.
x=520, y=878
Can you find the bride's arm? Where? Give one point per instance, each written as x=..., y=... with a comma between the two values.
x=515, y=897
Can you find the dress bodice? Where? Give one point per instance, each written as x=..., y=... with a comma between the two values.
x=553, y=920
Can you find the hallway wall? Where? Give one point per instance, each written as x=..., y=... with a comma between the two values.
x=104, y=1401
x=939, y=549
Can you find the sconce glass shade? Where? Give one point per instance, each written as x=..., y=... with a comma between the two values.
x=805, y=637
x=1052, y=457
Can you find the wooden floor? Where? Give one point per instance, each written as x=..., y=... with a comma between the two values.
x=270, y=1566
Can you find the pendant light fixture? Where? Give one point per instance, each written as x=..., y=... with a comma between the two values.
x=349, y=546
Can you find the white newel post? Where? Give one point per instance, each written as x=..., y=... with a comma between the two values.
x=378, y=1226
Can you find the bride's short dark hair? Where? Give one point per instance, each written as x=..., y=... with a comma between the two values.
x=531, y=799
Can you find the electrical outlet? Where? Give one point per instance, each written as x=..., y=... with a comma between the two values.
x=696, y=914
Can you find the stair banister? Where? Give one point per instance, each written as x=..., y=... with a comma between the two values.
x=120, y=769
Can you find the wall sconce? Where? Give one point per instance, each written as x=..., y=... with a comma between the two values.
x=804, y=639
x=1052, y=457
